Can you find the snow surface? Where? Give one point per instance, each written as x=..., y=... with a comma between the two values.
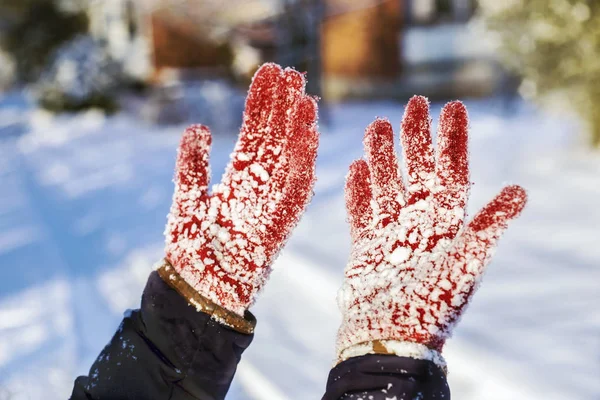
x=84, y=201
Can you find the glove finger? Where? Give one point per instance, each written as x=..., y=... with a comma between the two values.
x=301, y=154
x=248, y=192
x=417, y=148
x=492, y=220
x=477, y=243
x=452, y=163
x=295, y=113
x=258, y=142
x=472, y=251
x=190, y=198
x=192, y=171
x=358, y=198
x=383, y=166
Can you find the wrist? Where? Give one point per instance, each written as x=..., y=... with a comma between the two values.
x=393, y=347
x=224, y=287
x=243, y=322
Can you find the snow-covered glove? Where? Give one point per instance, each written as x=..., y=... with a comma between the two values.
x=414, y=265
x=222, y=244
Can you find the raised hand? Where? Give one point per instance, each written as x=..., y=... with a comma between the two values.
x=223, y=243
x=414, y=264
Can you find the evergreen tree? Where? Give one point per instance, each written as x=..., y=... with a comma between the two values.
x=554, y=46
x=80, y=75
x=30, y=30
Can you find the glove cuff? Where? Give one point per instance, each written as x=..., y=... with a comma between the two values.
x=393, y=347
x=245, y=324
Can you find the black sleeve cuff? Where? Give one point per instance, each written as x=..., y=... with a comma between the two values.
x=380, y=377
x=165, y=350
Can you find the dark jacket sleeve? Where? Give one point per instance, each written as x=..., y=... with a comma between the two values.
x=165, y=350
x=380, y=377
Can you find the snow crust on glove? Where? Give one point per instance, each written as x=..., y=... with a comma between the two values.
x=414, y=265
x=223, y=243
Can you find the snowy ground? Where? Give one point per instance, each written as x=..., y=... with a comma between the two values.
x=83, y=202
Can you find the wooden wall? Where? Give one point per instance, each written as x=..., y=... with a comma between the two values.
x=177, y=44
x=362, y=41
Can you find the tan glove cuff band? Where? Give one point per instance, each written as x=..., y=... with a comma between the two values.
x=228, y=318
x=394, y=347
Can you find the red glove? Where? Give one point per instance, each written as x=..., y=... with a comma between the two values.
x=223, y=244
x=414, y=265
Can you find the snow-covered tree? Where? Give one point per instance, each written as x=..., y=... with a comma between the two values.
x=7, y=70
x=30, y=31
x=553, y=45
x=81, y=74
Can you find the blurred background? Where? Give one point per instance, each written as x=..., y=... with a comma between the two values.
x=95, y=94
